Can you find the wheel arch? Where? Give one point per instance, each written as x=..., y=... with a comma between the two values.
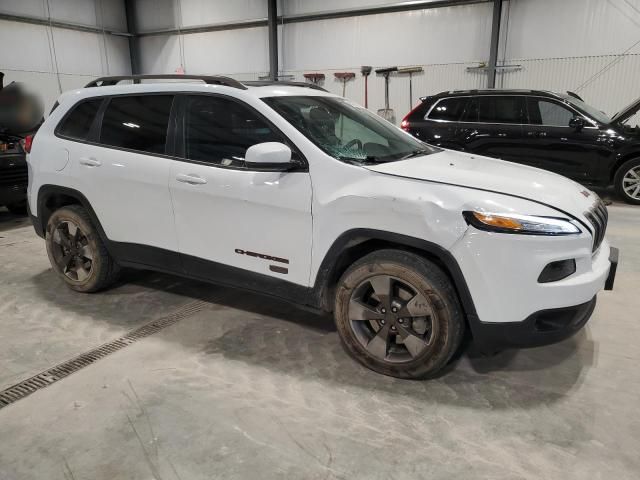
x=621, y=161
x=355, y=244
x=53, y=197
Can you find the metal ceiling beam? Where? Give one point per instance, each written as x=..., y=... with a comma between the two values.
x=377, y=10
x=495, y=42
x=272, y=9
x=59, y=24
x=310, y=17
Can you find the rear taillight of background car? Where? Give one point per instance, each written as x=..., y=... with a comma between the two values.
x=27, y=142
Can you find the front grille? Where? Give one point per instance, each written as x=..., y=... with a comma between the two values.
x=14, y=176
x=598, y=216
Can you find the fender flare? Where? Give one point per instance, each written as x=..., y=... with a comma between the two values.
x=48, y=190
x=356, y=236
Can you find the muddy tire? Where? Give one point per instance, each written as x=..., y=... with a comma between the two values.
x=398, y=314
x=76, y=252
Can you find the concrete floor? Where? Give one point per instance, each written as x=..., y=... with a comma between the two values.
x=253, y=388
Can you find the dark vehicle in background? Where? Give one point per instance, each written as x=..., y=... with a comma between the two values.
x=13, y=174
x=556, y=132
x=20, y=117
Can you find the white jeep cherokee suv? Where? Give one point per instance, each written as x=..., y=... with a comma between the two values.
x=287, y=190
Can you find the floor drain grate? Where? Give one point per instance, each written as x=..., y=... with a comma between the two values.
x=54, y=374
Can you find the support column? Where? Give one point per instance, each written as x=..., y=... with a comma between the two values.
x=134, y=48
x=495, y=41
x=273, y=38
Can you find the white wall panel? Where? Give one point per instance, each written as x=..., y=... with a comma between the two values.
x=33, y=8
x=295, y=7
x=86, y=12
x=608, y=82
x=571, y=28
x=79, y=52
x=28, y=53
x=159, y=54
x=441, y=35
x=233, y=51
x=155, y=14
x=32, y=52
x=204, y=12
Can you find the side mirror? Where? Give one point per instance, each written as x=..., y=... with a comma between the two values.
x=272, y=156
x=577, y=122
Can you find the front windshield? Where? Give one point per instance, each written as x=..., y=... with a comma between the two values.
x=347, y=132
x=593, y=112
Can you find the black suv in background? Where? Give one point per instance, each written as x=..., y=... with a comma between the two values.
x=547, y=130
x=13, y=174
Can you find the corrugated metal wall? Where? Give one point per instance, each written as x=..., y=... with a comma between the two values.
x=591, y=47
x=38, y=55
x=608, y=82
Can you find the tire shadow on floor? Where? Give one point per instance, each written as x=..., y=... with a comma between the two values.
x=273, y=334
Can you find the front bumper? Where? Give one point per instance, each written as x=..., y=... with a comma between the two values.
x=513, y=309
x=541, y=328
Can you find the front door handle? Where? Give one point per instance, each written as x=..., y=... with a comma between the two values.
x=90, y=162
x=191, y=179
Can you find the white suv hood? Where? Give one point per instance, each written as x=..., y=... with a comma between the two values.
x=499, y=176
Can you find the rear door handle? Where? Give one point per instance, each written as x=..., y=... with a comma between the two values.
x=191, y=179
x=90, y=162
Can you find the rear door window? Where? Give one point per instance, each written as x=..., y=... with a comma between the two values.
x=507, y=109
x=547, y=112
x=470, y=111
x=448, y=109
x=137, y=122
x=77, y=124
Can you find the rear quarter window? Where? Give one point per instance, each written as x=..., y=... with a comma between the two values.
x=77, y=124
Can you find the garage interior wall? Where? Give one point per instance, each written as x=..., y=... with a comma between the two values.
x=591, y=47
x=588, y=46
x=49, y=60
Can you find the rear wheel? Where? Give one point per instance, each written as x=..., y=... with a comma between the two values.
x=76, y=251
x=398, y=314
x=627, y=181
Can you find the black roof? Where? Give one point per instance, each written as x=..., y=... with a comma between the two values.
x=493, y=91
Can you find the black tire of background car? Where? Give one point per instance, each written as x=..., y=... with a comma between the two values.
x=433, y=282
x=18, y=208
x=619, y=176
x=104, y=270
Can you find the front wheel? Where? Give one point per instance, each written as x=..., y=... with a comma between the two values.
x=398, y=314
x=76, y=251
x=627, y=181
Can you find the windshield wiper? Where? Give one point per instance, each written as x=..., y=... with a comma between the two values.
x=415, y=153
x=359, y=160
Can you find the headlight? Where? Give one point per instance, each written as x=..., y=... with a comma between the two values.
x=524, y=224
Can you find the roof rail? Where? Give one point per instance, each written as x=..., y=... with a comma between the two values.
x=208, y=79
x=265, y=83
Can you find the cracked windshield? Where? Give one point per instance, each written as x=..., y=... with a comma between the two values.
x=347, y=132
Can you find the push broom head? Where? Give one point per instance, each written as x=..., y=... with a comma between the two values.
x=386, y=71
x=365, y=70
x=344, y=75
x=410, y=69
x=314, y=77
